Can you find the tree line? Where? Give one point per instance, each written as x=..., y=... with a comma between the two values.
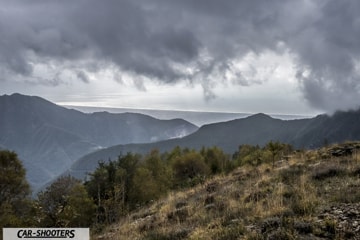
x=118, y=186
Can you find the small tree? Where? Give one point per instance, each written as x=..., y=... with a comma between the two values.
x=144, y=188
x=16, y=208
x=159, y=170
x=276, y=149
x=216, y=159
x=79, y=211
x=110, y=185
x=127, y=165
x=65, y=203
x=13, y=185
x=248, y=154
x=189, y=169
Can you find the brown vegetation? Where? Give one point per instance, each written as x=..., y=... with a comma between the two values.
x=309, y=195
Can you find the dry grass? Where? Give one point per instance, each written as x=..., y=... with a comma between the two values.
x=250, y=203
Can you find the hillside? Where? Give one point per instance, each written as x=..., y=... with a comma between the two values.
x=311, y=195
x=49, y=138
x=257, y=129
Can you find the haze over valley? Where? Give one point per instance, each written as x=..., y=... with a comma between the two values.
x=53, y=140
x=196, y=117
x=49, y=138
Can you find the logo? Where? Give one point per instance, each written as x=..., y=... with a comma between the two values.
x=46, y=233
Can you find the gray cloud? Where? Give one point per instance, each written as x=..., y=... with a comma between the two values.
x=328, y=51
x=162, y=39
x=83, y=76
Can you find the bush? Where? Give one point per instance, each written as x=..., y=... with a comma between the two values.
x=144, y=188
x=66, y=203
x=327, y=171
x=217, y=160
x=189, y=169
x=302, y=206
x=248, y=154
x=292, y=174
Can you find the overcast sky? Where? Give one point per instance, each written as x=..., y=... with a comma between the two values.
x=278, y=56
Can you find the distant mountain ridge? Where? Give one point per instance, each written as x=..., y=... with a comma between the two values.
x=48, y=138
x=257, y=129
x=198, y=118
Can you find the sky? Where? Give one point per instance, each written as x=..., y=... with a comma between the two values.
x=279, y=56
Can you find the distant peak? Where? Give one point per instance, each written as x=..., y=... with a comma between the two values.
x=17, y=95
x=18, y=98
x=260, y=116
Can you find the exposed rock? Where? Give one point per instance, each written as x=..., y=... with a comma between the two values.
x=303, y=227
x=346, y=218
x=343, y=150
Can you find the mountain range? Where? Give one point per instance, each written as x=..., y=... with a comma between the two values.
x=52, y=140
x=257, y=129
x=48, y=138
x=199, y=118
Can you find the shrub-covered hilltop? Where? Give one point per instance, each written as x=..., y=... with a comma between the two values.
x=270, y=192
x=303, y=195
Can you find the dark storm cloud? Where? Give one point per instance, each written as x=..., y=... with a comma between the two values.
x=116, y=31
x=329, y=55
x=163, y=39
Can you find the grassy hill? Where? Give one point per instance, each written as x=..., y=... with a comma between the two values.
x=308, y=195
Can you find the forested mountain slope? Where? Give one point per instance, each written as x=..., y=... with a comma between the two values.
x=257, y=129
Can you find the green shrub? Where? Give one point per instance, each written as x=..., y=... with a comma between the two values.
x=189, y=169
